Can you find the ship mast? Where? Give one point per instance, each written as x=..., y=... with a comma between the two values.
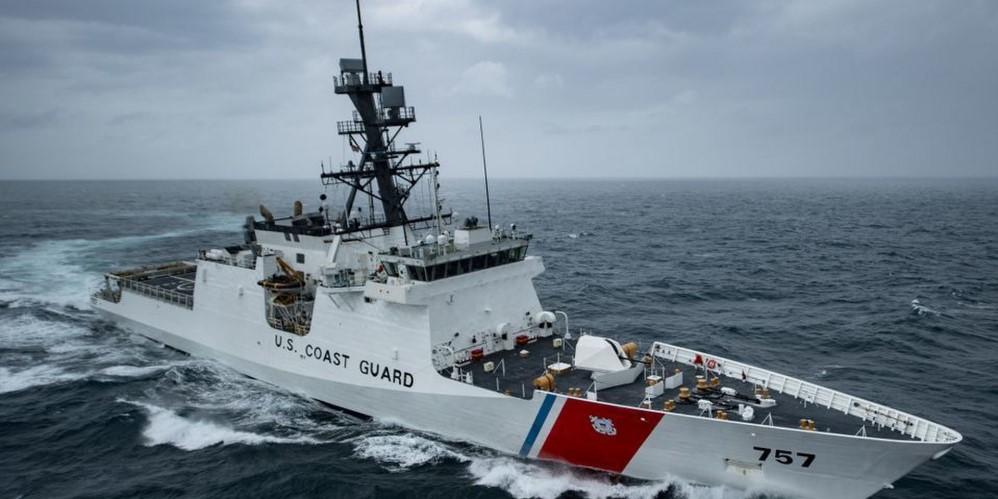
x=379, y=115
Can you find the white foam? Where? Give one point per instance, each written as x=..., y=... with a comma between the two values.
x=404, y=451
x=51, y=271
x=48, y=272
x=68, y=351
x=211, y=387
x=550, y=480
x=920, y=309
x=29, y=331
x=167, y=427
x=13, y=381
x=133, y=371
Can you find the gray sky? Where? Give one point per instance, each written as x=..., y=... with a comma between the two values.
x=241, y=89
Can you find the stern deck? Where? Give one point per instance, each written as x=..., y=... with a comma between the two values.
x=170, y=283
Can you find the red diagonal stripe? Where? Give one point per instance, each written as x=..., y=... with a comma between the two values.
x=573, y=438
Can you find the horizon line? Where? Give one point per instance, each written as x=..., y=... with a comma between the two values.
x=584, y=178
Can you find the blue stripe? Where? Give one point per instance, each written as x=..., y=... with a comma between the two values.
x=538, y=423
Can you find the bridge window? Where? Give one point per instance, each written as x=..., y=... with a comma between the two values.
x=391, y=269
x=300, y=257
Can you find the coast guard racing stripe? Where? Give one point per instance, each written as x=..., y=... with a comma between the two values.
x=542, y=414
x=597, y=436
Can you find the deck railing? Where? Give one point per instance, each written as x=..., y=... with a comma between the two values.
x=351, y=79
x=248, y=262
x=164, y=295
x=811, y=393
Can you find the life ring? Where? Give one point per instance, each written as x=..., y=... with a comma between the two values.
x=711, y=364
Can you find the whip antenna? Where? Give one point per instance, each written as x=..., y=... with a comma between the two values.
x=363, y=50
x=485, y=169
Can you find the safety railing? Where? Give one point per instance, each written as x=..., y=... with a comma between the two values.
x=398, y=113
x=350, y=79
x=389, y=113
x=248, y=262
x=164, y=295
x=879, y=415
x=345, y=127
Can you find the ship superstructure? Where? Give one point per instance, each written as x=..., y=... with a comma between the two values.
x=436, y=325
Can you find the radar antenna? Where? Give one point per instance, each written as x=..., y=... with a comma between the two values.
x=380, y=113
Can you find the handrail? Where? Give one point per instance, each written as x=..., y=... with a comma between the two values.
x=881, y=415
x=568, y=334
x=350, y=79
x=228, y=259
x=164, y=295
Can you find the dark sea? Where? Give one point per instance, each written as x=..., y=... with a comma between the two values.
x=815, y=278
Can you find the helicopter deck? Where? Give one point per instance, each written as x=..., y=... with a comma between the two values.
x=171, y=283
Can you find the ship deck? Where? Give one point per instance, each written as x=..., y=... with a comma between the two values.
x=514, y=375
x=171, y=283
x=181, y=282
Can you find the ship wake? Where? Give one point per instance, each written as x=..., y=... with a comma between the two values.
x=64, y=272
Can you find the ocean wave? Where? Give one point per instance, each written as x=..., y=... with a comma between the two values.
x=28, y=331
x=401, y=452
x=166, y=427
x=13, y=379
x=523, y=479
x=126, y=371
x=211, y=387
x=918, y=309
x=45, y=349
x=17, y=380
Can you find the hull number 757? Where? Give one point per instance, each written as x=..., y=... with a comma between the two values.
x=785, y=456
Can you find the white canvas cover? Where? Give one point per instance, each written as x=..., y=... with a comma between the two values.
x=595, y=353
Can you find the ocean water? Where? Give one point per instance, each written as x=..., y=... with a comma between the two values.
x=815, y=278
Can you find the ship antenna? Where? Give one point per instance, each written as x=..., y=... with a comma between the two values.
x=436, y=199
x=363, y=51
x=485, y=169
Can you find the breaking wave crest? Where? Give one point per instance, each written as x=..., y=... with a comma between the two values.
x=134, y=371
x=918, y=309
x=17, y=380
x=208, y=387
x=401, y=452
x=524, y=480
x=57, y=348
x=167, y=427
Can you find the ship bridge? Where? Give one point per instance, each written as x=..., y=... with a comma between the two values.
x=470, y=250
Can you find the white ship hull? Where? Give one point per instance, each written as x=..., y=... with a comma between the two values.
x=342, y=360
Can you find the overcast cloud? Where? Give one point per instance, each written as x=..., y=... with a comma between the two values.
x=242, y=89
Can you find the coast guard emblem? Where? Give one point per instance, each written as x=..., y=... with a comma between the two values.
x=603, y=426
